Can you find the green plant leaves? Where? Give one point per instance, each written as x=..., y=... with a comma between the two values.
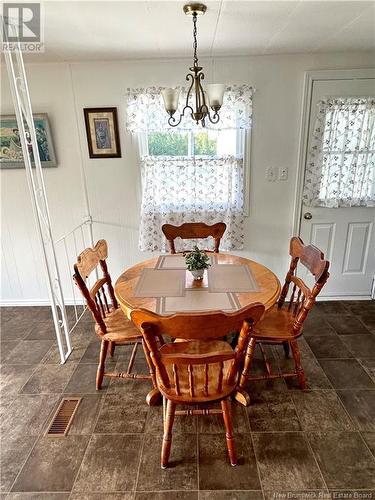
x=197, y=259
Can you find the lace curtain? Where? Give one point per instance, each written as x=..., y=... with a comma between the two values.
x=146, y=112
x=341, y=162
x=183, y=189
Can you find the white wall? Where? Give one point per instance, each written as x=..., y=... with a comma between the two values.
x=63, y=90
x=22, y=272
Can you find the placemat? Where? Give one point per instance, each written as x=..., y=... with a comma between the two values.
x=197, y=300
x=231, y=278
x=159, y=283
x=176, y=261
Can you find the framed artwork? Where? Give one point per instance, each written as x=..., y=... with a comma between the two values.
x=10, y=144
x=102, y=132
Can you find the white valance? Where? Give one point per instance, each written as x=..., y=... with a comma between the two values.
x=340, y=168
x=146, y=112
x=183, y=189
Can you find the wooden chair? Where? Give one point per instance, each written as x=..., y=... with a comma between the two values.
x=200, y=368
x=284, y=323
x=193, y=230
x=112, y=326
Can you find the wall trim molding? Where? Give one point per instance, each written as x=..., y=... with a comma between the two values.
x=36, y=302
x=206, y=60
x=344, y=297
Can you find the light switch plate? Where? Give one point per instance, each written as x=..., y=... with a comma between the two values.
x=283, y=173
x=271, y=174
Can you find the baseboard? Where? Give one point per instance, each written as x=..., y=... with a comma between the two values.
x=345, y=297
x=35, y=302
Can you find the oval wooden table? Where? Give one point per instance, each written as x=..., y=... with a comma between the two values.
x=268, y=284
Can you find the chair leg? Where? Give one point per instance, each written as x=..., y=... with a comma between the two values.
x=100, y=371
x=297, y=361
x=164, y=410
x=167, y=437
x=248, y=359
x=227, y=416
x=266, y=362
x=112, y=346
x=286, y=349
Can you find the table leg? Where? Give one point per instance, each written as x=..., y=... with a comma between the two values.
x=153, y=398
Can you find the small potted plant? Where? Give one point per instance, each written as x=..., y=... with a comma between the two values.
x=197, y=261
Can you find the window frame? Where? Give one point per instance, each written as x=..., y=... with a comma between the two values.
x=243, y=147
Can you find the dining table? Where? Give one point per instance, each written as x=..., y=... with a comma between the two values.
x=163, y=285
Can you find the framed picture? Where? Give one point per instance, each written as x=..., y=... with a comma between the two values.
x=10, y=144
x=102, y=132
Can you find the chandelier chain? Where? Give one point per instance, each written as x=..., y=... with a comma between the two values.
x=195, y=43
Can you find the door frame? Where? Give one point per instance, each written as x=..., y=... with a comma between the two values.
x=309, y=78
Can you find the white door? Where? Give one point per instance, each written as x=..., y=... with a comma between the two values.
x=345, y=235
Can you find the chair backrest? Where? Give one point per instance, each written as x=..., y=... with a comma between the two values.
x=197, y=326
x=194, y=230
x=99, y=303
x=303, y=298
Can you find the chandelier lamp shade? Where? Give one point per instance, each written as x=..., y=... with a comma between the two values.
x=202, y=104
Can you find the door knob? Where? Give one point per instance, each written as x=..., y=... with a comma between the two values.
x=307, y=215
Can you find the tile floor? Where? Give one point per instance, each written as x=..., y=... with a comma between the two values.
x=308, y=443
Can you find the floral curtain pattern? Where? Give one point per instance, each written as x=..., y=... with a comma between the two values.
x=183, y=189
x=340, y=169
x=146, y=112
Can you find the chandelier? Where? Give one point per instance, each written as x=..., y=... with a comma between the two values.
x=201, y=104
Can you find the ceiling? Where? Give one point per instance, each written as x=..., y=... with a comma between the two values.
x=77, y=31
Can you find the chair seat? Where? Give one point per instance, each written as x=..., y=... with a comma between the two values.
x=119, y=328
x=197, y=347
x=276, y=326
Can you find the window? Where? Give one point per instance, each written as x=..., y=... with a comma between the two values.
x=207, y=143
x=340, y=170
x=168, y=143
x=193, y=157
x=190, y=173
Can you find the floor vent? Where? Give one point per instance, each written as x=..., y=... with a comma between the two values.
x=63, y=417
